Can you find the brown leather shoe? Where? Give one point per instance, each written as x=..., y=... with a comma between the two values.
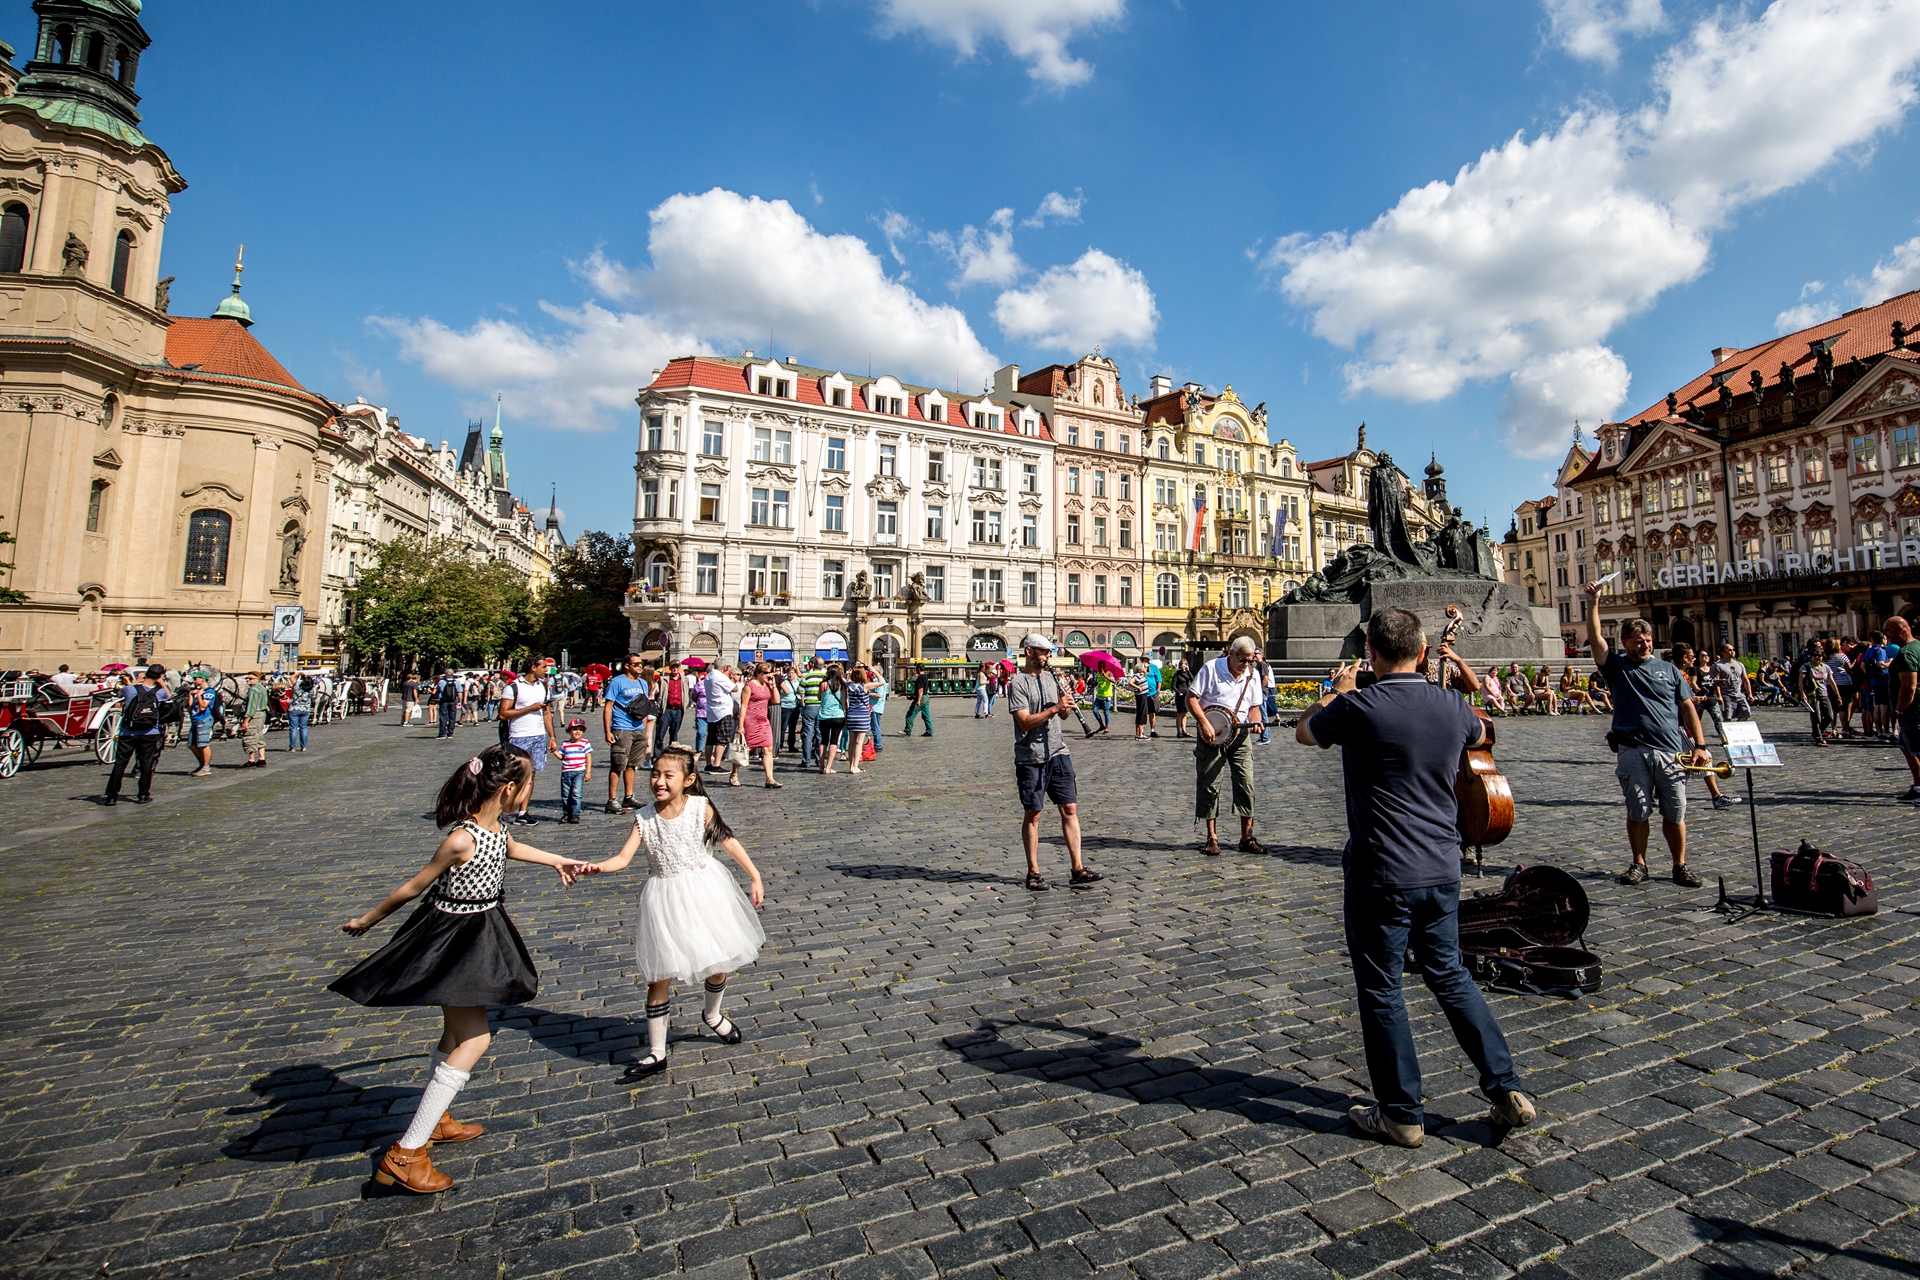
x=412, y=1168
x=451, y=1130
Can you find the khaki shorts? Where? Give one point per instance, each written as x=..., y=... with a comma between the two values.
x=629, y=748
x=1651, y=778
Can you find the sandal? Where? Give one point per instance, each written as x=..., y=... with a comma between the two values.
x=775, y=786
x=1082, y=875
x=1211, y=848
x=1250, y=845
x=1037, y=882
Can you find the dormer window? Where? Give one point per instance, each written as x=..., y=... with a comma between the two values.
x=937, y=413
x=1029, y=425
x=839, y=397
x=933, y=406
x=986, y=421
x=780, y=388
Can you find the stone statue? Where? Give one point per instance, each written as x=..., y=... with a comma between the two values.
x=1823, y=364
x=1387, y=512
x=1673, y=405
x=917, y=593
x=162, y=293
x=1363, y=437
x=290, y=558
x=860, y=591
x=1899, y=334
x=1786, y=377
x=1758, y=381
x=74, y=254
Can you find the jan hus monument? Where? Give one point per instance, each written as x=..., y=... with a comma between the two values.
x=1324, y=618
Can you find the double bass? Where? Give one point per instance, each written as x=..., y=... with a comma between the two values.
x=1480, y=789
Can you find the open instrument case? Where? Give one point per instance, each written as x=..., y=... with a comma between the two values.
x=1529, y=935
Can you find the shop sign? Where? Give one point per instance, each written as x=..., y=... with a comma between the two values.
x=1868, y=555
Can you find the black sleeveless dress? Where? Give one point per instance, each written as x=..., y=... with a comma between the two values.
x=458, y=948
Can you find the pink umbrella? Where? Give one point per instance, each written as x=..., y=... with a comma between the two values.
x=695, y=664
x=115, y=666
x=1101, y=660
x=1006, y=667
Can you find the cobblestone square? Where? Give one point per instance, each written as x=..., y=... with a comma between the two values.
x=943, y=1074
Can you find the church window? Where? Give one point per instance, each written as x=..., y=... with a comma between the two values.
x=62, y=44
x=208, y=534
x=96, y=51
x=122, y=260
x=14, y=221
x=95, y=497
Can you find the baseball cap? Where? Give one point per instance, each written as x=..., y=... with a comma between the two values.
x=576, y=723
x=1037, y=641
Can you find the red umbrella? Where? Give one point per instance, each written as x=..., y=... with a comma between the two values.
x=695, y=664
x=600, y=669
x=1101, y=660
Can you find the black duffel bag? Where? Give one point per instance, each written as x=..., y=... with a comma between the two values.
x=1822, y=884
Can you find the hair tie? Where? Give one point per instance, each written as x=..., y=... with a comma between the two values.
x=473, y=766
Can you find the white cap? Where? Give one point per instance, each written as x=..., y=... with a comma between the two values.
x=1037, y=641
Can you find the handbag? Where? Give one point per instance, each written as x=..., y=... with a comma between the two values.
x=1820, y=883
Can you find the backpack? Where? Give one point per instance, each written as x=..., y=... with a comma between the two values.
x=1822, y=884
x=143, y=712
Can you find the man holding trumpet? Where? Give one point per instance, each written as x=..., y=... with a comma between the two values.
x=1653, y=721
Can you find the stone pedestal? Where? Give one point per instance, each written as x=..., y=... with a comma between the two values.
x=1500, y=625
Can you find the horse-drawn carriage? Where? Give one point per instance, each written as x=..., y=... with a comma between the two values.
x=35, y=709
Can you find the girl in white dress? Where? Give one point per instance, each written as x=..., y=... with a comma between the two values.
x=695, y=923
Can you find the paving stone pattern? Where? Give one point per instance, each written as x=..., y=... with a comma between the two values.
x=944, y=1074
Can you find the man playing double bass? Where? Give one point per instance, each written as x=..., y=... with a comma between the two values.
x=1232, y=684
x=1402, y=738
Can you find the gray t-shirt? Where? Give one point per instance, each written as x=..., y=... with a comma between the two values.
x=1029, y=692
x=1731, y=677
x=1646, y=701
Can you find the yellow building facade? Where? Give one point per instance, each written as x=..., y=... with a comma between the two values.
x=1219, y=548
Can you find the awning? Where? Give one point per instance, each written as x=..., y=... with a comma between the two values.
x=831, y=646
x=766, y=655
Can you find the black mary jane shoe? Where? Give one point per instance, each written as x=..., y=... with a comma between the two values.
x=730, y=1036
x=645, y=1067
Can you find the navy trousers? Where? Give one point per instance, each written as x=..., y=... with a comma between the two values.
x=1381, y=926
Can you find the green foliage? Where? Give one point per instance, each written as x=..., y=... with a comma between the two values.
x=7, y=594
x=580, y=610
x=425, y=605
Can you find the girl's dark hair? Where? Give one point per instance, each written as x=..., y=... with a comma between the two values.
x=836, y=679
x=476, y=779
x=717, y=828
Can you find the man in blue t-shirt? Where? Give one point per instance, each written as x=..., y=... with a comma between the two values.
x=628, y=739
x=1653, y=721
x=1401, y=739
x=1153, y=699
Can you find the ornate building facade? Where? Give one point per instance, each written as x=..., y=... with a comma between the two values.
x=782, y=509
x=1099, y=475
x=167, y=473
x=1215, y=489
x=1775, y=497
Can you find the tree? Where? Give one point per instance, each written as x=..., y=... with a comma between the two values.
x=580, y=609
x=427, y=603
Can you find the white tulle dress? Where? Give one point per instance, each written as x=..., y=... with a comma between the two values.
x=695, y=920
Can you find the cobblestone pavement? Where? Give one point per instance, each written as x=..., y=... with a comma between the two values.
x=943, y=1074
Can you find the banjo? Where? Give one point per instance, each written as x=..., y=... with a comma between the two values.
x=1226, y=724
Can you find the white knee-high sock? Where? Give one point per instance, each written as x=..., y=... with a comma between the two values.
x=441, y=1090
x=657, y=1018
x=715, y=994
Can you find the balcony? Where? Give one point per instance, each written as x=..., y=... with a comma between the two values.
x=769, y=601
x=986, y=609
x=649, y=599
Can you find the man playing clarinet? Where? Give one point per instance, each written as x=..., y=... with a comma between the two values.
x=1402, y=738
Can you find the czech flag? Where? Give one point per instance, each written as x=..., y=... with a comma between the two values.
x=1198, y=534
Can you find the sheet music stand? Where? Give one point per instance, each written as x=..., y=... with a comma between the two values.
x=1746, y=750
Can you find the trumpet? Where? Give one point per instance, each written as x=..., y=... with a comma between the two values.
x=1719, y=768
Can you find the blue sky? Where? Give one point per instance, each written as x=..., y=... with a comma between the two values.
x=1465, y=224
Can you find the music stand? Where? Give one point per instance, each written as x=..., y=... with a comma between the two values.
x=1746, y=750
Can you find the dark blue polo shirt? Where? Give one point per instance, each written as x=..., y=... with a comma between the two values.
x=1646, y=701
x=1403, y=737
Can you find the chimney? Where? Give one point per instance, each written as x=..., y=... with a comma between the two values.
x=1723, y=354
x=1162, y=384
x=1006, y=381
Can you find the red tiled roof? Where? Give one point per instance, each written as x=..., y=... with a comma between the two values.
x=1864, y=332
x=729, y=374
x=223, y=347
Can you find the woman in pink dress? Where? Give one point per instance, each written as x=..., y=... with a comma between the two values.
x=755, y=721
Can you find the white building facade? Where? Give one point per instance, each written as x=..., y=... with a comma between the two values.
x=786, y=511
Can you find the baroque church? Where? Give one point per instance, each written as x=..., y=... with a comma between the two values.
x=164, y=475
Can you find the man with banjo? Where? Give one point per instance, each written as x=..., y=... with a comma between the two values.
x=1225, y=701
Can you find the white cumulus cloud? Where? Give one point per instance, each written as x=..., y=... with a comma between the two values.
x=1035, y=31
x=1897, y=273
x=984, y=257
x=725, y=269
x=1095, y=299
x=1056, y=207
x=1521, y=264
x=1591, y=29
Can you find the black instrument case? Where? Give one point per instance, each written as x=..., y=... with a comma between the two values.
x=1529, y=935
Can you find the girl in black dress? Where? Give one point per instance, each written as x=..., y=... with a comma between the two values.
x=458, y=950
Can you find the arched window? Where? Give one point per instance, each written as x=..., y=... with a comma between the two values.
x=1166, y=591
x=1266, y=591
x=208, y=534
x=14, y=221
x=62, y=44
x=1077, y=640
x=1200, y=590
x=122, y=260
x=660, y=571
x=96, y=498
x=1163, y=447
x=933, y=645
x=1236, y=593
x=1125, y=640
x=96, y=51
